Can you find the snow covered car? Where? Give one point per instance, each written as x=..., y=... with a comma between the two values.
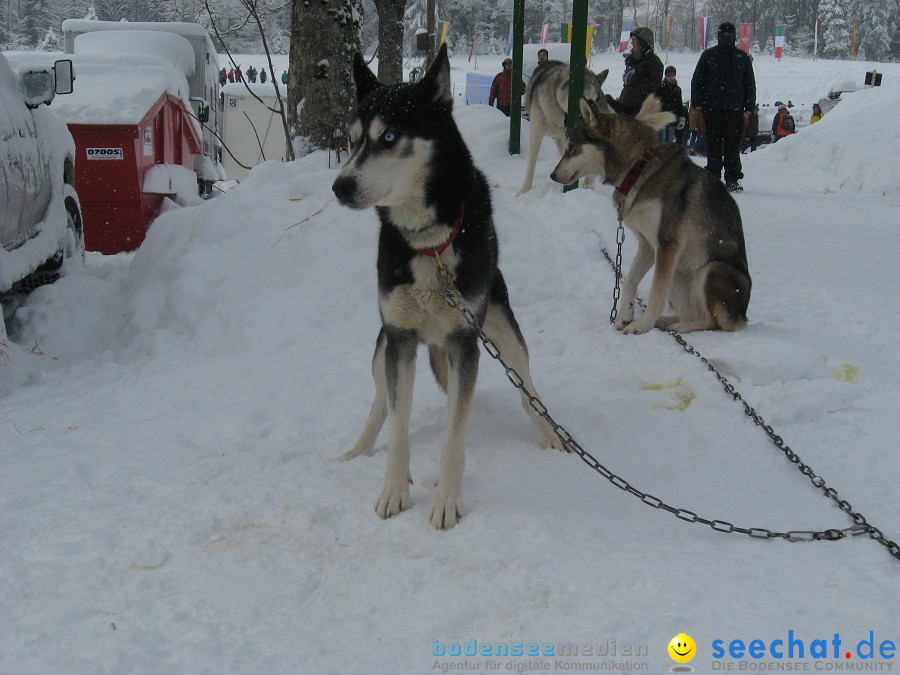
x=40, y=216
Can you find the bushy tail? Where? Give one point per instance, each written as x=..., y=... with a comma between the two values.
x=651, y=114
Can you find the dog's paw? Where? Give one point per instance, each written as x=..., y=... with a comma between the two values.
x=355, y=452
x=446, y=511
x=392, y=501
x=639, y=327
x=549, y=438
x=624, y=317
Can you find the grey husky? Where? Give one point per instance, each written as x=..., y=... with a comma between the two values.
x=410, y=162
x=687, y=224
x=547, y=101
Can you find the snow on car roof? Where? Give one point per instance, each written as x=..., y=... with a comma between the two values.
x=110, y=88
x=174, y=48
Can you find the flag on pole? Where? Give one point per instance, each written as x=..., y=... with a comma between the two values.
x=853, y=42
x=444, y=30
x=704, y=31
x=545, y=33
x=510, y=45
x=472, y=50
x=780, y=30
x=588, y=39
x=625, y=38
x=746, y=36
x=669, y=23
x=565, y=32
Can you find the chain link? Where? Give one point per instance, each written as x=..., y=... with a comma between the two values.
x=861, y=526
x=454, y=299
x=620, y=239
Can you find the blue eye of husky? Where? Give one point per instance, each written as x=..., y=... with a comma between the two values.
x=389, y=137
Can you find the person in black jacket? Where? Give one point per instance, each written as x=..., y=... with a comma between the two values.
x=669, y=94
x=643, y=72
x=725, y=88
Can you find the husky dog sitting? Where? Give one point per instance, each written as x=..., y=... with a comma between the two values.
x=686, y=222
x=410, y=162
x=547, y=101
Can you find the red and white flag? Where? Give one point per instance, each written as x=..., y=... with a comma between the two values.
x=746, y=36
x=545, y=33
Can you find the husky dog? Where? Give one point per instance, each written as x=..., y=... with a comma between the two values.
x=547, y=102
x=686, y=222
x=409, y=160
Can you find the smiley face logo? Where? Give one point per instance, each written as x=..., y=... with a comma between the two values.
x=682, y=648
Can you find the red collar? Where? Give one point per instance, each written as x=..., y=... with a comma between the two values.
x=437, y=250
x=634, y=174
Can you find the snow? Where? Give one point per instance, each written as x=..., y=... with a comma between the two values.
x=30, y=142
x=174, y=48
x=175, y=180
x=172, y=419
x=111, y=87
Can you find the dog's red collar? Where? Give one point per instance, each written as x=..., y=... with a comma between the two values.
x=437, y=250
x=634, y=174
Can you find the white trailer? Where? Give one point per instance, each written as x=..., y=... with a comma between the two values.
x=251, y=131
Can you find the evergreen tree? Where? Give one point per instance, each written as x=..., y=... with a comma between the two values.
x=836, y=34
x=875, y=39
x=32, y=23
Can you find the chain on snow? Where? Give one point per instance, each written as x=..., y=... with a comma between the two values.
x=861, y=526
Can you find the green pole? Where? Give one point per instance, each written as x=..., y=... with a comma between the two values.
x=515, y=110
x=577, y=63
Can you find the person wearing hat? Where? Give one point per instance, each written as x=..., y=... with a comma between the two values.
x=724, y=88
x=643, y=72
x=501, y=88
x=669, y=95
x=783, y=124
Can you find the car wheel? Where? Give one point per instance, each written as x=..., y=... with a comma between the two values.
x=72, y=249
x=75, y=241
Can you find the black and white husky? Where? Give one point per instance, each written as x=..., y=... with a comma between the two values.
x=410, y=162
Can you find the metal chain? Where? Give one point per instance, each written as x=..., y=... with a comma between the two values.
x=454, y=299
x=620, y=239
x=862, y=526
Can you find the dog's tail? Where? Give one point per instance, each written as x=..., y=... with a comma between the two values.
x=437, y=357
x=651, y=114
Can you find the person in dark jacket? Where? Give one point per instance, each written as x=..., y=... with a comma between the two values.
x=783, y=124
x=643, y=72
x=750, y=134
x=669, y=94
x=725, y=88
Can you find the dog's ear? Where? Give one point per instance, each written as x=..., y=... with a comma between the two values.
x=438, y=77
x=365, y=79
x=601, y=77
x=596, y=121
x=590, y=111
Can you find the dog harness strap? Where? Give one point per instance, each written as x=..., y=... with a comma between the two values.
x=437, y=250
x=634, y=174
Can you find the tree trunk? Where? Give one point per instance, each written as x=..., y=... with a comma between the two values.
x=390, y=40
x=324, y=38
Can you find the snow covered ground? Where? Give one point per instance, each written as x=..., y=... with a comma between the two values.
x=171, y=500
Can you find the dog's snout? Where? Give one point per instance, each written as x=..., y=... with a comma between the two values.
x=344, y=188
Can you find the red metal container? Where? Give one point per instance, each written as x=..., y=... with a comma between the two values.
x=111, y=163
